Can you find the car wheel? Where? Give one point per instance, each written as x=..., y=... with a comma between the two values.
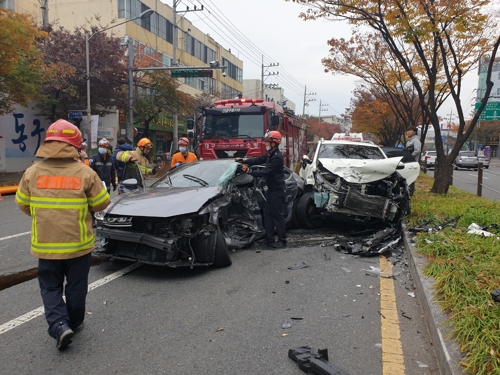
x=455, y=167
x=308, y=214
x=221, y=257
x=412, y=188
x=295, y=219
x=487, y=167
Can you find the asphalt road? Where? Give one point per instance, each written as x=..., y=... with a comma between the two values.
x=221, y=321
x=467, y=179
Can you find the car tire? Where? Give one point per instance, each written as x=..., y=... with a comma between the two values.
x=221, y=256
x=487, y=167
x=295, y=219
x=412, y=188
x=305, y=209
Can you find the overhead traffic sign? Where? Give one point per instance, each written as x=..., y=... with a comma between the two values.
x=491, y=112
x=192, y=73
x=75, y=115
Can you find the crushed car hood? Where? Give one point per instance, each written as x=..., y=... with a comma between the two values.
x=163, y=202
x=361, y=171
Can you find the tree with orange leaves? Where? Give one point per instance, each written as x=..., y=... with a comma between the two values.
x=21, y=63
x=435, y=43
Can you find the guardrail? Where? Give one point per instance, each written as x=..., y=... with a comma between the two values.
x=480, y=173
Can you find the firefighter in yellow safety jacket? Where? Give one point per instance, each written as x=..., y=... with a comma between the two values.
x=59, y=193
x=139, y=155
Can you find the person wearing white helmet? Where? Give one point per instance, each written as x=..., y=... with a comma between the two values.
x=102, y=164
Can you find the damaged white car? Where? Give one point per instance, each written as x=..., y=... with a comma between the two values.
x=354, y=182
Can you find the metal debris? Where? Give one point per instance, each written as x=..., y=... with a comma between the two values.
x=495, y=295
x=298, y=266
x=312, y=362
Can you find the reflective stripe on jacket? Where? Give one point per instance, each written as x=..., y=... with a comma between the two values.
x=58, y=194
x=141, y=160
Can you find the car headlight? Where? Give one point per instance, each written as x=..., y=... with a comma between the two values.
x=99, y=215
x=125, y=221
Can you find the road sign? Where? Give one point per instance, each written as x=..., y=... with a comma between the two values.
x=491, y=112
x=75, y=115
x=192, y=73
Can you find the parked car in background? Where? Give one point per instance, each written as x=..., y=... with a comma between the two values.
x=429, y=158
x=354, y=182
x=466, y=160
x=486, y=161
x=191, y=216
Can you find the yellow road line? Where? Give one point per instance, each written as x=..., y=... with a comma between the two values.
x=392, y=351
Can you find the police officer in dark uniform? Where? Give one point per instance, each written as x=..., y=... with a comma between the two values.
x=274, y=174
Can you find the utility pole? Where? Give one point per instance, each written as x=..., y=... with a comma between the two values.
x=130, y=129
x=45, y=12
x=267, y=74
x=321, y=109
x=175, y=133
x=307, y=100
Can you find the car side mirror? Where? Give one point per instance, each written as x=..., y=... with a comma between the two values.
x=130, y=184
x=306, y=160
x=400, y=166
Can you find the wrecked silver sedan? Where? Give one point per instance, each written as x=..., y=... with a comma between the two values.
x=190, y=217
x=354, y=182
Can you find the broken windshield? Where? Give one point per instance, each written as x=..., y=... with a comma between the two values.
x=234, y=125
x=348, y=151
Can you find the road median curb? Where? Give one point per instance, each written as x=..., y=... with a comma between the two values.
x=447, y=351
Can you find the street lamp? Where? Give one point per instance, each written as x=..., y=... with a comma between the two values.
x=143, y=15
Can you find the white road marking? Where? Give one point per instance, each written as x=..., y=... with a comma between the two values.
x=14, y=235
x=14, y=323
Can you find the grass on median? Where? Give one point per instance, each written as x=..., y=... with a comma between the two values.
x=466, y=268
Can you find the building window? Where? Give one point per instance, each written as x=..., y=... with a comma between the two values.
x=9, y=4
x=121, y=8
x=170, y=32
x=229, y=92
x=146, y=22
x=233, y=71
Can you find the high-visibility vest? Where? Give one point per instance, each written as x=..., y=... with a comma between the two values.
x=82, y=205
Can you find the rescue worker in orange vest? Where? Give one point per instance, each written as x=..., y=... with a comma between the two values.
x=139, y=155
x=183, y=156
x=59, y=194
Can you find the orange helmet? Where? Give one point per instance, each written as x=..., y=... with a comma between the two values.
x=64, y=131
x=273, y=136
x=145, y=142
x=183, y=141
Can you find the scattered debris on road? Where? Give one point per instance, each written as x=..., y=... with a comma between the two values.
x=298, y=266
x=312, y=362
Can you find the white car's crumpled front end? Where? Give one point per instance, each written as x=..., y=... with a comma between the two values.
x=361, y=190
x=361, y=171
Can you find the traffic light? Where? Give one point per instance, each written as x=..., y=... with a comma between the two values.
x=185, y=73
x=190, y=128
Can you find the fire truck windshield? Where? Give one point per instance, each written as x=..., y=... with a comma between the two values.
x=234, y=126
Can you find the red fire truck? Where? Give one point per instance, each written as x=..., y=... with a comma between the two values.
x=236, y=127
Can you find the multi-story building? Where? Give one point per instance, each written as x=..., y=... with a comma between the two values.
x=155, y=35
x=253, y=88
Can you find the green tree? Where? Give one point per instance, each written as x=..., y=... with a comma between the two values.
x=66, y=90
x=21, y=62
x=436, y=43
x=158, y=94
